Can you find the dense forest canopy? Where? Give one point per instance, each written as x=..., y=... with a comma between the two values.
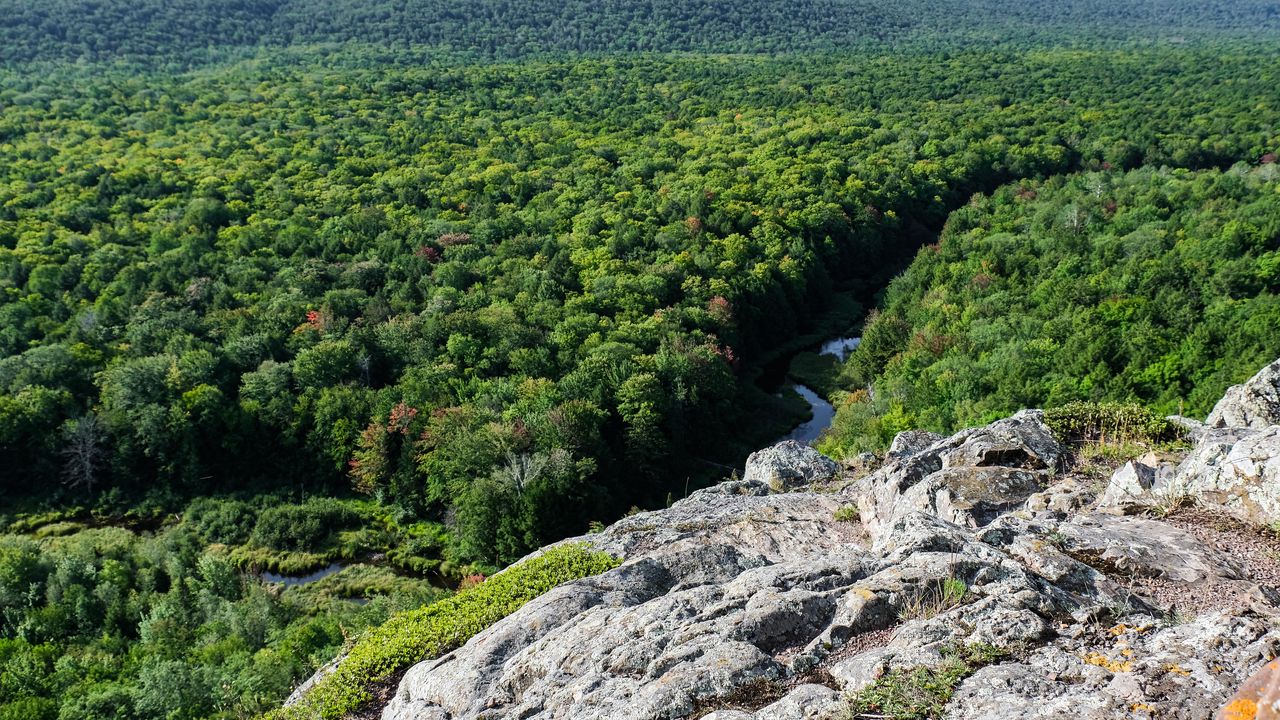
x=199, y=31
x=1156, y=285
x=414, y=287
x=408, y=281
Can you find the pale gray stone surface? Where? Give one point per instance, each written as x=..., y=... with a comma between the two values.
x=1253, y=404
x=910, y=442
x=1182, y=671
x=789, y=465
x=1238, y=469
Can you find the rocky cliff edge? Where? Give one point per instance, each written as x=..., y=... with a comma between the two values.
x=806, y=587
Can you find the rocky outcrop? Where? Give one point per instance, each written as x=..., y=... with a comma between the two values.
x=1142, y=668
x=789, y=465
x=751, y=601
x=910, y=442
x=969, y=478
x=1253, y=404
x=1235, y=468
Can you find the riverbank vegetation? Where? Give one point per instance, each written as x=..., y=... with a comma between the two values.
x=109, y=623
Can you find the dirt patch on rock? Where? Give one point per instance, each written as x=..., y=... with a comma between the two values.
x=860, y=643
x=1256, y=550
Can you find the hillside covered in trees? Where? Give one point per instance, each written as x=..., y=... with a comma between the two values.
x=414, y=288
x=198, y=32
x=1157, y=285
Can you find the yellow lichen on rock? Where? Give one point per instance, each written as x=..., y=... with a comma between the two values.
x=1115, y=666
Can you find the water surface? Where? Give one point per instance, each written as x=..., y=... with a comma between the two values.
x=290, y=580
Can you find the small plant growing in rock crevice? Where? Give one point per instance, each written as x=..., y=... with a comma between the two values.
x=934, y=599
x=920, y=693
x=847, y=513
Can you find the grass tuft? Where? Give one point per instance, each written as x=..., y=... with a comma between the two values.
x=847, y=513
x=934, y=600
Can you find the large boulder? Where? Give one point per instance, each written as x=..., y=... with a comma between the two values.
x=968, y=478
x=1237, y=469
x=1253, y=404
x=1021, y=441
x=972, y=496
x=911, y=442
x=789, y=465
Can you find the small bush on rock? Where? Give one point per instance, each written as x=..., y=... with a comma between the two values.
x=921, y=693
x=411, y=637
x=847, y=513
x=1090, y=422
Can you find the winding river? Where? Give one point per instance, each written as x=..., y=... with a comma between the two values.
x=822, y=411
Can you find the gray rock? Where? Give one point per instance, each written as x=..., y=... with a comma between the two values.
x=1253, y=404
x=789, y=465
x=1022, y=441
x=1184, y=672
x=970, y=477
x=971, y=496
x=1142, y=547
x=1129, y=487
x=910, y=442
x=1061, y=499
x=1137, y=484
x=1193, y=428
x=1237, y=469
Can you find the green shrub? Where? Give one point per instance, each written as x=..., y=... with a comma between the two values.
x=1090, y=422
x=29, y=709
x=284, y=562
x=847, y=513
x=221, y=521
x=302, y=527
x=920, y=693
x=435, y=629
